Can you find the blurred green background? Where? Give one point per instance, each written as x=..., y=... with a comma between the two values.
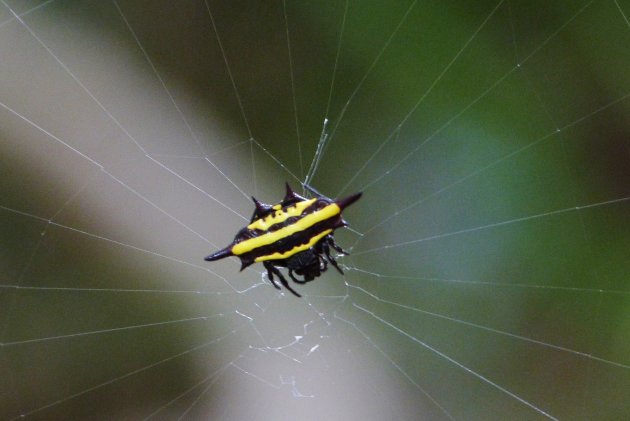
x=490, y=252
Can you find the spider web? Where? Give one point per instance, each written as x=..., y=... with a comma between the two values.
x=489, y=267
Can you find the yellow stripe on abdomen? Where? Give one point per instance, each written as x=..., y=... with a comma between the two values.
x=300, y=225
x=278, y=216
x=296, y=249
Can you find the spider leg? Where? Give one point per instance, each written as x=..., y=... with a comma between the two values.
x=271, y=269
x=329, y=257
x=334, y=245
x=296, y=280
x=323, y=264
x=300, y=281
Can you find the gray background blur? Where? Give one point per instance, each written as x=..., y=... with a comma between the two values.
x=489, y=275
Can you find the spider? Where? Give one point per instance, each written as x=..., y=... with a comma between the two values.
x=296, y=234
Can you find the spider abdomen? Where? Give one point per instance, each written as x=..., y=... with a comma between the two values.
x=295, y=225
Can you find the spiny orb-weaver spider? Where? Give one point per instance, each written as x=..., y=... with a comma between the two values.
x=296, y=233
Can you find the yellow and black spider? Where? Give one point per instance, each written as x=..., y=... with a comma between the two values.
x=296, y=233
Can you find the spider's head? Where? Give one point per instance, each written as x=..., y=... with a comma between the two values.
x=309, y=272
x=305, y=264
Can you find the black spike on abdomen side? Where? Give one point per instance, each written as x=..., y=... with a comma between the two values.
x=226, y=252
